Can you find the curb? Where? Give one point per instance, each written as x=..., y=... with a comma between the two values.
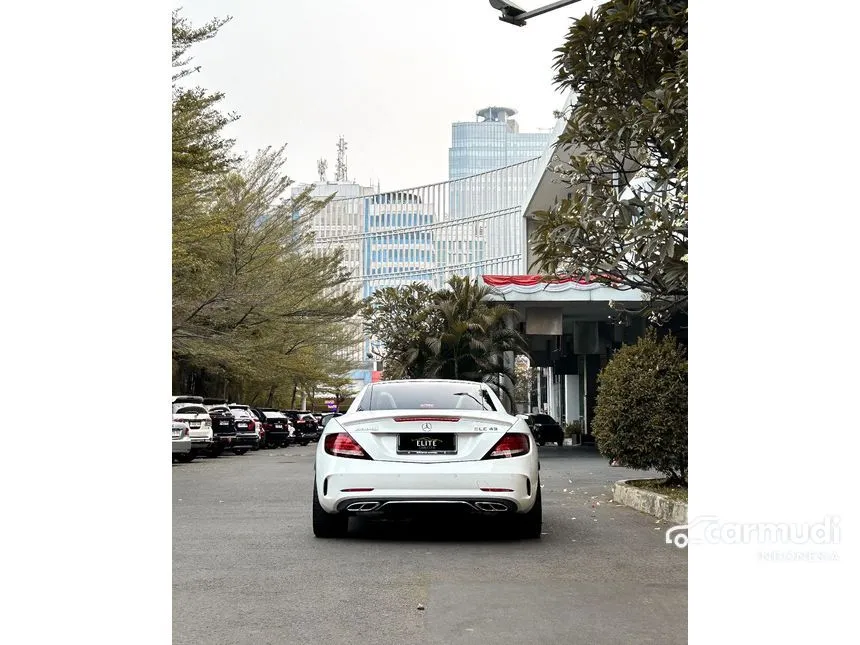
x=649, y=502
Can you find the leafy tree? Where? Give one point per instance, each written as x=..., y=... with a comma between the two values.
x=455, y=332
x=400, y=319
x=625, y=222
x=254, y=300
x=523, y=381
x=641, y=413
x=200, y=151
x=253, y=310
x=474, y=337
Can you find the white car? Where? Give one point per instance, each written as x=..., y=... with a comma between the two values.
x=181, y=442
x=199, y=425
x=422, y=445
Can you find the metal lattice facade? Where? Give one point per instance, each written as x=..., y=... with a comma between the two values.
x=467, y=227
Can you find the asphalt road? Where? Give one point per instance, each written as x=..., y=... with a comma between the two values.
x=247, y=568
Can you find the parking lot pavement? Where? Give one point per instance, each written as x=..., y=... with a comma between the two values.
x=247, y=569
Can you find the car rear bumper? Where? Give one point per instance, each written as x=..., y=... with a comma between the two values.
x=511, y=483
x=181, y=446
x=200, y=443
x=245, y=440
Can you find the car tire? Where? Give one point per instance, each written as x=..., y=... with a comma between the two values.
x=541, y=442
x=528, y=525
x=186, y=457
x=215, y=452
x=240, y=451
x=560, y=442
x=304, y=443
x=327, y=525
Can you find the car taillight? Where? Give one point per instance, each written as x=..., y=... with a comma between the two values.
x=512, y=444
x=342, y=444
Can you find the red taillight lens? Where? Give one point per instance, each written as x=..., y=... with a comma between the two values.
x=513, y=444
x=342, y=444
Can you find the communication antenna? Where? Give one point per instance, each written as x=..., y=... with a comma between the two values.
x=322, y=166
x=340, y=168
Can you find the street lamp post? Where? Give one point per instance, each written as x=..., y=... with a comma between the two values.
x=515, y=15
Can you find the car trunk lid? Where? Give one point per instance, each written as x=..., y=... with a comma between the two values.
x=417, y=436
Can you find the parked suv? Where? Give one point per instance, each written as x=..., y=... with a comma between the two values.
x=279, y=430
x=181, y=442
x=545, y=429
x=258, y=422
x=199, y=425
x=223, y=428
x=307, y=428
x=186, y=399
x=247, y=436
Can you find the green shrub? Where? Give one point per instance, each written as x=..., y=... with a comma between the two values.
x=572, y=429
x=641, y=415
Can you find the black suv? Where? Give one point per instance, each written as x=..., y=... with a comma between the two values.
x=223, y=429
x=277, y=426
x=307, y=428
x=545, y=429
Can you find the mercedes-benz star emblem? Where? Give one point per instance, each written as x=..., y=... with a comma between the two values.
x=426, y=427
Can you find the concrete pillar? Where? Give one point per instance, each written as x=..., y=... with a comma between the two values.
x=571, y=398
x=539, y=390
x=550, y=391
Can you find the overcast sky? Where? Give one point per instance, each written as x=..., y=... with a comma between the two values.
x=390, y=75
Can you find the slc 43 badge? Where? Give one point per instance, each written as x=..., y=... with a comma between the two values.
x=486, y=428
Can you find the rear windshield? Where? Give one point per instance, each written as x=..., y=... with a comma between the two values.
x=425, y=396
x=273, y=414
x=543, y=418
x=188, y=399
x=191, y=409
x=240, y=413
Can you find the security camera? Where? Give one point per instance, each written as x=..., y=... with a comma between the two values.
x=509, y=10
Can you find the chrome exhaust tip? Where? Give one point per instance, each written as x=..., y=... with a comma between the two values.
x=493, y=507
x=362, y=507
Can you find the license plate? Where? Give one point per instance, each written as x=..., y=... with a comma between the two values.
x=224, y=423
x=278, y=426
x=435, y=444
x=194, y=425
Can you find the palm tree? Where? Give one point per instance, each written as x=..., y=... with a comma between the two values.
x=474, y=337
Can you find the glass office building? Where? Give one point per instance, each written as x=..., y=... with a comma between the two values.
x=492, y=141
x=469, y=227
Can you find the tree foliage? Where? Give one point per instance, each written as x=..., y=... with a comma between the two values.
x=625, y=222
x=253, y=303
x=400, y=318
x=641, y=413
x=454, y=333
